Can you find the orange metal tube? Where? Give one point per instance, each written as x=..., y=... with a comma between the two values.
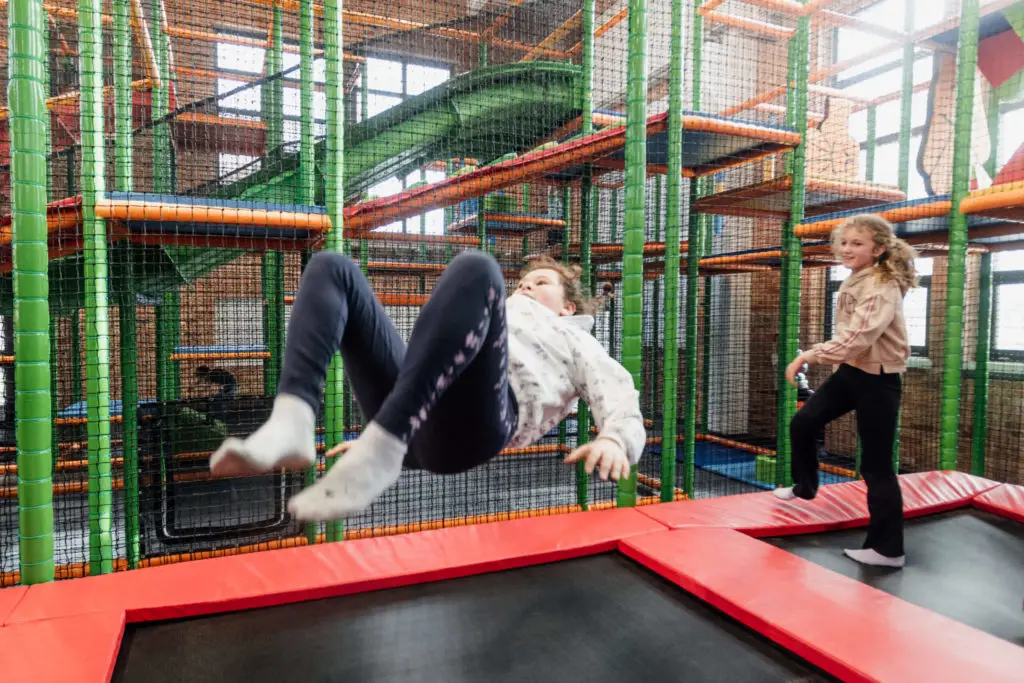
x=616, y=19
x=244, y=355
x=1006, y=196
x=190, y=213
x=751, y=25
x=898, y=215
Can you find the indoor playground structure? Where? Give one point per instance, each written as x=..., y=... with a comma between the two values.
x=168, y=168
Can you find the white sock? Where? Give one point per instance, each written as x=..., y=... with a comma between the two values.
x=287, y=440
x=785, y=493
x=874, y=558
x=366, y=470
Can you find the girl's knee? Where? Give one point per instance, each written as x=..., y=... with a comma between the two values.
x=477, y=264
x=328, y=264
x=802, y=426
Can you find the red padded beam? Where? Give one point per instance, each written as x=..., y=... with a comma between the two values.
x=847, y=628
x=312, y=572
x=9, y=599
x=1006, y=500
x=838, y=506
x=79, y=649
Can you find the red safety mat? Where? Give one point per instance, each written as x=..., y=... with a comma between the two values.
x=845, y=627
x=838, y=506
x=9, y=599
x=1006, y=500
x=78, y=649
x=312, y=572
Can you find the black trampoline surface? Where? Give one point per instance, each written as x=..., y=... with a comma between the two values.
x=967, y=565
x=595, y=619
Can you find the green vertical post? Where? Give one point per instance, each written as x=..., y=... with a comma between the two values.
x=481, y=54
x=307, y=159
x=94, y=248
x=272, y=275
x=614, y=343
x=55, y=384
x=636, y=208
x=656, y=303
x=127, y=323
x=27, y=57
x=47, y=117
x=333, y=400
x=273, y=92
x=168, y=327
x=981, y=370
x=673, y=209
x=992, y=163
x=906, y=96
x=162, y=179
x=588, y=215
x=792, y=251
x=869, y=162
x=76, y=356
x=952, y=370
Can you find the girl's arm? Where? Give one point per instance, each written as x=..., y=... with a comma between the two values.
x=614, y=402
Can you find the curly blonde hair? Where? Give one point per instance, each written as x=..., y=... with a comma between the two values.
x=896, y=264
x=572, y=286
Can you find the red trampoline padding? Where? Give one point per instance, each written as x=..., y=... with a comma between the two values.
x=1006, y=500
x=9, y=599
x=79, y=649
x=838, y=506
x=312, y=572
x=847, y=628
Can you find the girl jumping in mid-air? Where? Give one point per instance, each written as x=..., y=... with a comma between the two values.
x=871, y=348
x=481, y=373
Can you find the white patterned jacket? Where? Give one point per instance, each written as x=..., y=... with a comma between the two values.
x=553, y=361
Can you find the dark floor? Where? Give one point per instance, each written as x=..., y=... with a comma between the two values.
x=967, y=565
x=594, y=619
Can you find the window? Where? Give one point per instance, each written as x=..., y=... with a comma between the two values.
x=1008, y=315
x=916, y=305
x=392, y=80
x=881, y=75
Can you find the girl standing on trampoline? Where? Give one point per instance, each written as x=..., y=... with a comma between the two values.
x=481, y=373
x=871, y=348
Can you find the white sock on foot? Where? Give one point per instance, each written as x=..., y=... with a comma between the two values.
x=874, y=558
x=366, y=470
x=287, y=440
x=785, y=493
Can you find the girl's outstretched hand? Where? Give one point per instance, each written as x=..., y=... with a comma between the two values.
x=606, y=455
x=340, y=448
x=793, y=368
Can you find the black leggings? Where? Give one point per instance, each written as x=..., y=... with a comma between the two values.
x=876, y=398
x=447, y=396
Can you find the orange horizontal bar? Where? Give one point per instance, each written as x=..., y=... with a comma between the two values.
x=1005, y=196
x=896, y=215
x=193, y=213
x=741, y=258
x=751, y=25
x=388, y=299
x=455, y=240
x=220, y=121
x=64, y=488
x=6, y=360
x=616, y=19
x=241, y=355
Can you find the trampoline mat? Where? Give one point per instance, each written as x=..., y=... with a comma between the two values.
x=601, y=618
x=966, y=565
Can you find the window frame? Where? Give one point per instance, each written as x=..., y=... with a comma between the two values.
x=1003, y=277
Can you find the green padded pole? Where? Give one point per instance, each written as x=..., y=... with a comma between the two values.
x=906, y=96
x=127, y=323
x=656, y=303
x=27, y=56
x=992, y=164
x=76, y=355
x=792, y=252
x=47, y=117
x=636, y=209
x=272, y=275
x=162, y=180
x=588, y=218
x=334, y=392
x=981, y=369
x=673, y=209
x=273, y=92
x=952, y=369
x=307, y=159
x=94, y=248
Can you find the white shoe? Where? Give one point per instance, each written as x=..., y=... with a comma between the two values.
x=874, y=559
x=785, y=493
